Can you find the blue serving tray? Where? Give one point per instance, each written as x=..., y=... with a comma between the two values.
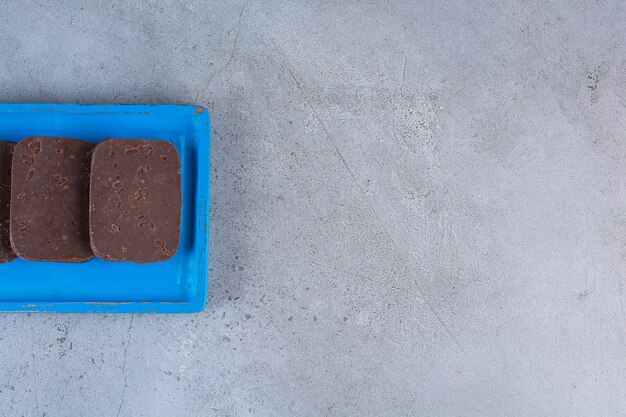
x=175, y=286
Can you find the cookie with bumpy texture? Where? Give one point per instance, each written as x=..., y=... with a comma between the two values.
x=6, y=158
x=50, y=199
x=135, y=200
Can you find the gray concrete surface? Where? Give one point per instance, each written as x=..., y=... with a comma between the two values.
x=419, y=208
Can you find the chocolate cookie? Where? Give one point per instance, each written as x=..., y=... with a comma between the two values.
x=6, y=156
x=50, y=199
x=135, y=200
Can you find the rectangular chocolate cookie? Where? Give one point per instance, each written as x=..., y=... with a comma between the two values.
x=50, y=199
x=6, y=156
x=135, y=200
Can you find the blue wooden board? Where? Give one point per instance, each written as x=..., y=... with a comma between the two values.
x=175, y=286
